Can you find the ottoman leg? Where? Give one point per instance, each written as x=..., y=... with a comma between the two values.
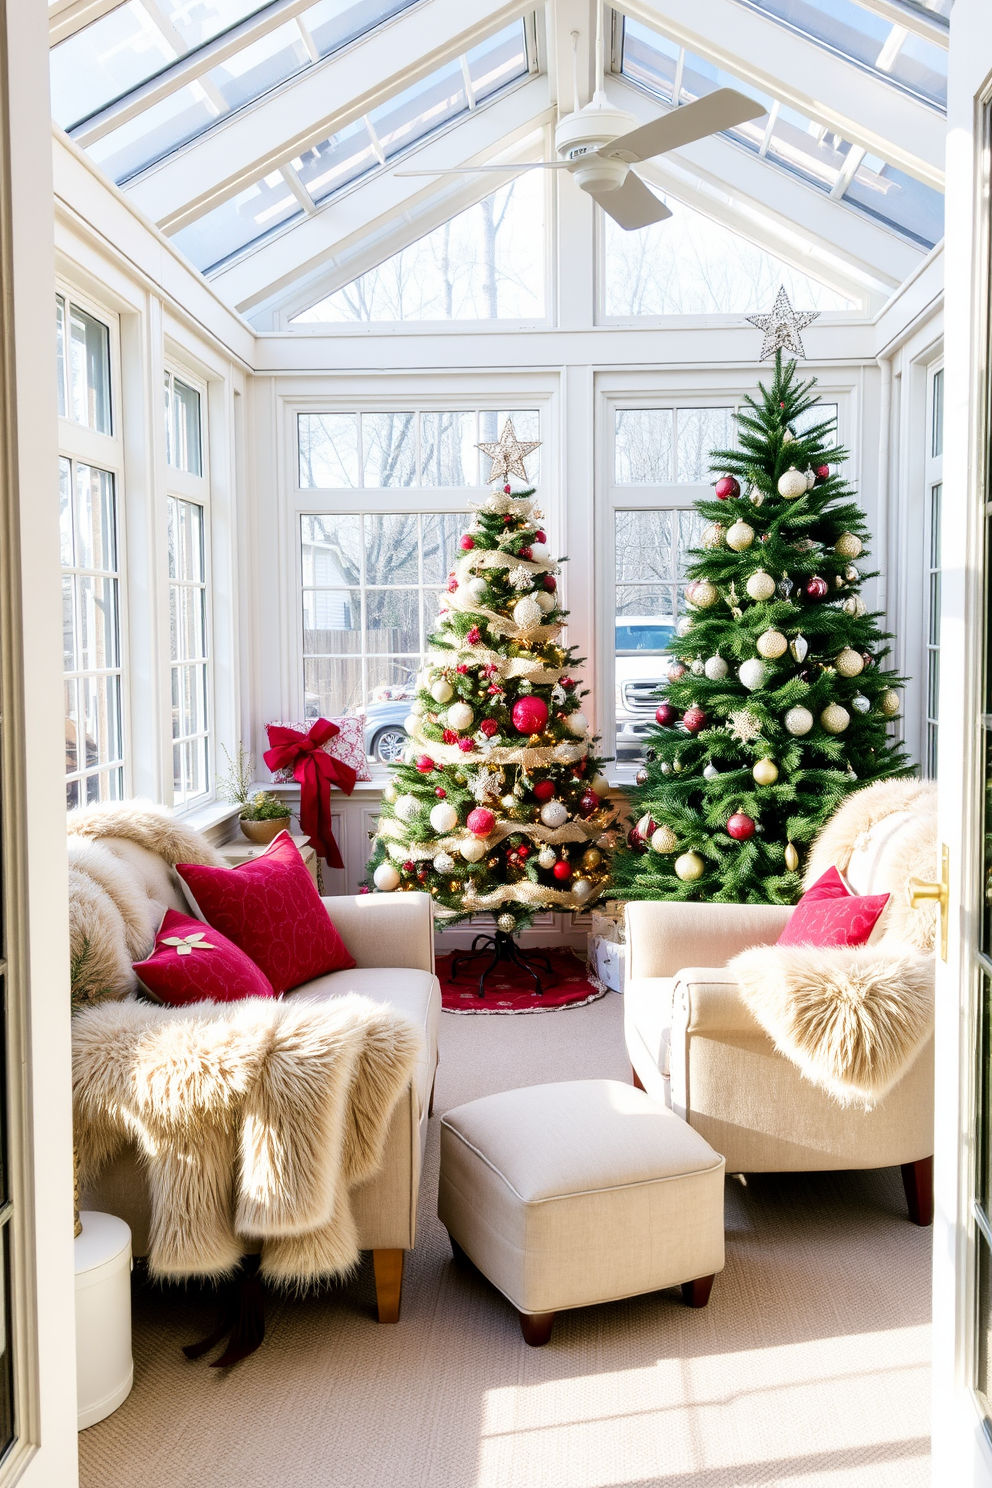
x=536, y=1327
x=697, y=1293
x=388, y=1267
x=636, y=1079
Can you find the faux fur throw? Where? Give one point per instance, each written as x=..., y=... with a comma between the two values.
x=253, y=1122
x=112, y=919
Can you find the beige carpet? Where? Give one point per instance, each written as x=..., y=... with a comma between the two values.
x=809, y=1366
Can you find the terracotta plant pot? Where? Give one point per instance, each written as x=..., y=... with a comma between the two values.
x=265, y=831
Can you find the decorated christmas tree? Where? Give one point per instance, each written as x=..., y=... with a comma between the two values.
x=777, y=703
x=498, y=805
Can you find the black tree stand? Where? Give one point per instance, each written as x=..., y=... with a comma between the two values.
x=501, y=946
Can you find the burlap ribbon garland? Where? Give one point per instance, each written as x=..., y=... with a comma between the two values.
x=478, y=558
x=515, y=666
x=520, y=893
x=500, y=754
x=572, y=831
x=523, y=634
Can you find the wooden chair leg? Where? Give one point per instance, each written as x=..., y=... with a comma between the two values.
x=636, y=1079
x=697, y=1293
x=388, y=1267
x=536, y=1327
x=917, y=1180
x=430, y=1103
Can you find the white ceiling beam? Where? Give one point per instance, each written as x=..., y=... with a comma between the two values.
x=405, y=208
x=927, y=24
x=324, y=99
x=863, y=109
x=67, y=17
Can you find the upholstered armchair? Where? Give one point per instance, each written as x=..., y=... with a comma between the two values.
x=694, y=1043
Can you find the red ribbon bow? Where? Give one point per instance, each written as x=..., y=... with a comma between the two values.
x=316, y=771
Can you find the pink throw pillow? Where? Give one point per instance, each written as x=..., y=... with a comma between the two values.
x=828, y=914
x=270, y=908
x=191, y=962
x=348, y=746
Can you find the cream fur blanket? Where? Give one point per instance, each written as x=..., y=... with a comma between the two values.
x=253, y=1122
x=854, y=1020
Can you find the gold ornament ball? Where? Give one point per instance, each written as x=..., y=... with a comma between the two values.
x=765, y=772
x=663, y=840
x=714, y=536
x=799, y=721
x=854, y=606
x=791, y=858
x=760, y=585
x=533, y=741
x=689, y=867
x=740, y=537
x=849, y=663
x=848, y=546
x=506, y=923
x=704, y=594
x=591, y=858
x=889, y=702
x=771, y=643
x=792, y=484
x=834, y=718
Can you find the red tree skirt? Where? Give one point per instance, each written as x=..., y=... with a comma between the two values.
x=509, y=989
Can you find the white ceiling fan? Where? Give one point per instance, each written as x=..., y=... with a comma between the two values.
x=597, y=144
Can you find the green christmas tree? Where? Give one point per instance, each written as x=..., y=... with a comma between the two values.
x=498, y=805
x=777, y=704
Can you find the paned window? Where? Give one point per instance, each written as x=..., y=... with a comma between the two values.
x=82, y=345
x=182, y=426
x=190, y=658
x=934, y=490
x=691, y=265
x=488, y=263
x=409, y=448
x=94, y=744
x=653, y=446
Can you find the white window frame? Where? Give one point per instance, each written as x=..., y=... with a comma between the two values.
x=183, y=485
x=933, y=480
x=84, y=446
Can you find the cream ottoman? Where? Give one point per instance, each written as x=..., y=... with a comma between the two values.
x=588, y=1191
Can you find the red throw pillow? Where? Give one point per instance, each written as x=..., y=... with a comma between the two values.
x=192, y=962
x=270, y=908
x=828, y=914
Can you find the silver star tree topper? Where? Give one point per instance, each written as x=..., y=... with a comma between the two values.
x=782, y=327
x=508, y=453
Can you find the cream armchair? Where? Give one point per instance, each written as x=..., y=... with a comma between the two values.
x=693, y=1043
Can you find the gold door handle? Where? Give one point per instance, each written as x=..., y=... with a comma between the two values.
x=919, y=891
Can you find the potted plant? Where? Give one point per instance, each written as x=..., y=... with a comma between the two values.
x=262, y=815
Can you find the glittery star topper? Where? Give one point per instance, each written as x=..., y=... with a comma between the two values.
x=508, y=453
x=782, y=327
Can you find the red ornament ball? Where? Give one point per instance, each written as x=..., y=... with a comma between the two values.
x=506, y=490
x=480, y=821
x=868, y=659
x=425, y=764
x=408, y=867
x=489, y=726
x=740, y=827
x=529, y=714
x=544, y=790
x=466, y=745
x=822, y=473
x=816, y=588
x=636, y=842
x=440, y=792
x=550, y=583
x=540, y=537
x=561, y=869
x=523, y=851
x=452, y=584
x=467, y=542
x=588, y=802
x=726, y=487
x=525, y=553
x=693, y=720
x=666, y=715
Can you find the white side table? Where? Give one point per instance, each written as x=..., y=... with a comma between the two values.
x=240, y=850
x=104, y=1367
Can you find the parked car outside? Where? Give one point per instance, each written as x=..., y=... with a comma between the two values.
x=642, y=642
x=385, y=734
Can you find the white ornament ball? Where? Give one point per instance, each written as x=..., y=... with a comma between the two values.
x=740, y=536
x=771, y=643
x=577, y=723
x=711, y=772
x=417, y=708
x=715, y=536
x=554, y=814
x=760, y=585
x=799, y=721
x=716, y=669
x=848, y=546
x=664, y=840
x=765, y=772
x=792, y=484
x=860, y=703
x=443, y=816
x=545, y=601
x=546, y=858
x=600, y=785
x=684, y=626
x=697, y=669
x=411, y=723
x=849, y=663
x=389, y=794
x=702, y=594
x=460, y=716
x=689, y=867
x=581, y=889
x=442, y=691
x=834, y=718
x=527, y=612
x=472, y=849
x=477, y=587
x=889, y=702
x=539, y=551
x=756, y=496
x=752, y=674
x=386, y=878
x=854, y=606
x=406, y=808
x=443, y=863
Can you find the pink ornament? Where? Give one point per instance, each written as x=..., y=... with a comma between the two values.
x=466, y=745
x=489, y=726
x=449, y=737
x=676, y=671
x=816, y=587
x=452, y=584
x=693, y=720
x=727, y=487
x=480, y=821
x=740, y=827
x=461, y=667
x=506, y=492
x=472, y=637
x=364, y=889
x=561, y=869
x=666, y=715
x=544, y=790
x=467, y=542
x=425, y=764
x=822, y=474
x=529, y=714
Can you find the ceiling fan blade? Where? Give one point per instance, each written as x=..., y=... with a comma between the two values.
x=720, y=110
x=471, y=170
x=632, y=204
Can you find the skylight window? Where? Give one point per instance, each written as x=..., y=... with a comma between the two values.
x=788, y=139
x=864, y=36
x=313, y=178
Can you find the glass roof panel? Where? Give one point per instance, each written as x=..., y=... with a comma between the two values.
x=336, y=161
x=789, y=139
x=248, y=217
x=864, y=36
x=426, y=105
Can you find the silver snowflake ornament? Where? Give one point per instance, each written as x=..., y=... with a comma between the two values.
x=744, y=726
x=782, y=327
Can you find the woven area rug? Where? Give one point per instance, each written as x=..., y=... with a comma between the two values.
x=508, y=988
